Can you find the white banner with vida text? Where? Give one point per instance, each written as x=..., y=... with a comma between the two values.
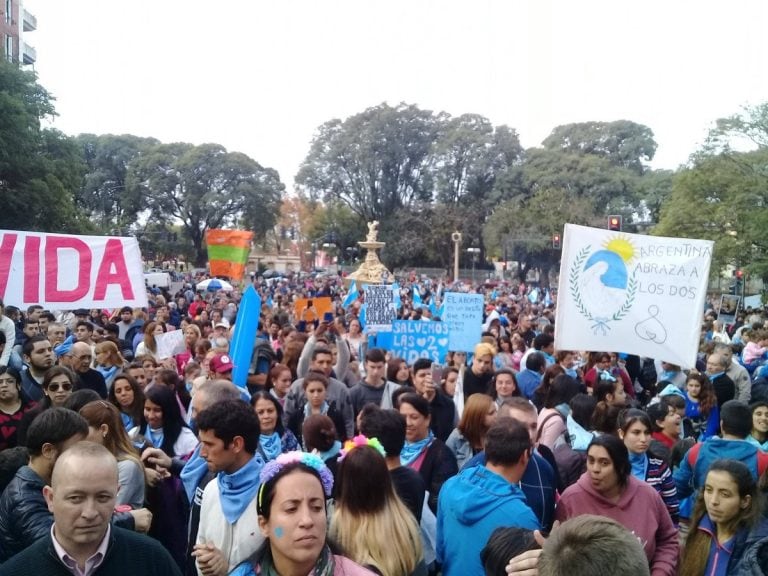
x=65, y=272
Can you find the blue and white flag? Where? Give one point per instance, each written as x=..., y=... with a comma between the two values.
x=494, y=295
x=270, y=303
x=351, y=295
x=361, y=317
x=396, y=295
x=534, y=296
x=547, y=299
x=416, y=296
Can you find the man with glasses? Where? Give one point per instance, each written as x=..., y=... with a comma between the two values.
x=79, y=359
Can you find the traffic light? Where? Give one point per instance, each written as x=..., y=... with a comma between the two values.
x=556, y=241
x=614, y=223
x=739, y=274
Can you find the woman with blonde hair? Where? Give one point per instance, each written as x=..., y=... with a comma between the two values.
x=468, y=437
x=106, y=428
x=370, y=522
x=109, y=361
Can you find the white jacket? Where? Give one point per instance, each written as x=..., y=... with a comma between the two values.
x=237, y=541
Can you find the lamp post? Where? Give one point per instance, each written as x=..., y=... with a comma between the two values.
x=456, y=239
x=474, y=252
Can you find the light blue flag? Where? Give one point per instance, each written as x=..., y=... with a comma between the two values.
x=361, y=317
x=494, y=295
x=416, y=296
x=270, y=303
x=534, y=296
x=547, y=299
x=351, y=295
x=432, y=306
x=441, y=310
x=396, y=295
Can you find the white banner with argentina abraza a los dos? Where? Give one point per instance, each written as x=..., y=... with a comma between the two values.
x=630, y=293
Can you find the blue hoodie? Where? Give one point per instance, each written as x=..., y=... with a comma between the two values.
x=692, y=473
x=471, y=506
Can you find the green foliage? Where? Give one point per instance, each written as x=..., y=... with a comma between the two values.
x=39, y=169
x=205, y=187
x=623, y=143
x=375, y=162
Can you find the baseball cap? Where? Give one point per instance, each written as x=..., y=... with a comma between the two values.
x=223, y=322
x=221, y=363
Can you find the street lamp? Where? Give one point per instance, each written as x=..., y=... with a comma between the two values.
x=474, y=252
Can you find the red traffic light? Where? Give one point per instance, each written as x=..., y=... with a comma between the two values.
x=614, y=223
x=556, y=241
x=739, y=273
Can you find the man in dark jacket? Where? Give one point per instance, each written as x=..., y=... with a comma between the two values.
x=24, y=515
x=441, y=407
x=83, y=491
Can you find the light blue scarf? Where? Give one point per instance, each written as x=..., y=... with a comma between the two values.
x=334, y=450
x=271, y=444
x=639, y=465
x=193, y=473
x=237, y=490
x=308, y=409
x=412, y=450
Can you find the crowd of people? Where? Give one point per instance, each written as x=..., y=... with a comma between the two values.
x=337, y=457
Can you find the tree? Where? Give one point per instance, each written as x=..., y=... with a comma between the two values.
x=104, y=195
x=623, y=143
x=523, y=228
x=206, y=187
x=40, y=170
x=375, y=162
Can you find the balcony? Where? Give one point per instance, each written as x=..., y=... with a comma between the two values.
x=28, y=55
x=30, y=21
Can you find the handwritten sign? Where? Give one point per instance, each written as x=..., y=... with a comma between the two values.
x=631, y=293
x=170, y=344
x=62, y=271
x=380, y=308
x=464, y=317
x=414, y=339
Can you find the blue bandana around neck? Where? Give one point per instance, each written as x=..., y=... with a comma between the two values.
x=412, y=450
x=107, y=372
x=193, y=473
x=271, y=445
x=333, y=451
x=156, y=437
x=668, y=375
x=713, y=376
x=639, y=464
x=308, y=409
x=237, y=490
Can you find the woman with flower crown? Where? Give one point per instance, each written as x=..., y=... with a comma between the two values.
x=292, y=518
x=370, y=521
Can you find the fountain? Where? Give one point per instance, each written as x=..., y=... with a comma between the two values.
x=371, y=271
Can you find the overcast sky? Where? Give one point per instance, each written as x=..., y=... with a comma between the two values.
x=260, y=77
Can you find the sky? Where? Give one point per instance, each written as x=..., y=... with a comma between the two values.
x=259, y=77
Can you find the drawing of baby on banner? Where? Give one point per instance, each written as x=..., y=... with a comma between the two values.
x=631, y=293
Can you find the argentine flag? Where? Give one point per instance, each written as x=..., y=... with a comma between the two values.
x=351, y=295
x=534, y=296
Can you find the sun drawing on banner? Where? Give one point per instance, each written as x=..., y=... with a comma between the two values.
x=600, y=284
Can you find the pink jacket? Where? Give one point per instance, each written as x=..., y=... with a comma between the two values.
x=550, y=428
x=346, y=567
x=640, y=509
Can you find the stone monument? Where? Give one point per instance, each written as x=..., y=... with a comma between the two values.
x=371, y=271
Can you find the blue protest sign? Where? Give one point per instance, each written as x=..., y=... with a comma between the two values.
x=414, y=339
x=464, y=318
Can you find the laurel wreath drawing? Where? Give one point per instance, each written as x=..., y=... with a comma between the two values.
x=600, y=324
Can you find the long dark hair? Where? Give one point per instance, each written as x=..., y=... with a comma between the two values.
x=172, y=420
x=279, y=428
x=696, y=552
x=618, y=454
x=135, y=410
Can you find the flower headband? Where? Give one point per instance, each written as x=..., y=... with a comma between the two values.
x=274, y=467
x=361, y=440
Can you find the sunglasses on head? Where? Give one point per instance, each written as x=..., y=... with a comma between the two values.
x=55, y=387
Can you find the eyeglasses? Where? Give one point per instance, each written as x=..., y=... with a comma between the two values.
x=66, y=387
x=89, y=358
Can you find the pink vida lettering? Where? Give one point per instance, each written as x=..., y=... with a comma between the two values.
x=112, y=268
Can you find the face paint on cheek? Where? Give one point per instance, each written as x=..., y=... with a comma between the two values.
x=278, y=532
